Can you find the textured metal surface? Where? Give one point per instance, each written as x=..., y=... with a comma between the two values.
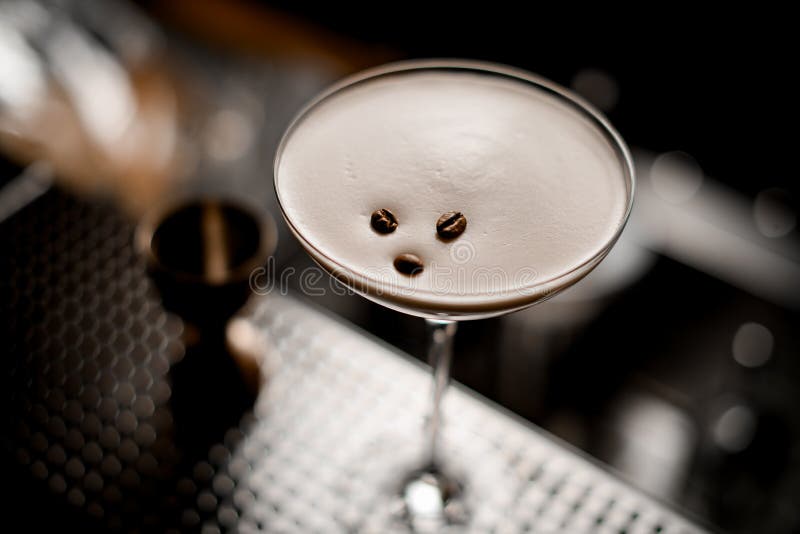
x=91, y=358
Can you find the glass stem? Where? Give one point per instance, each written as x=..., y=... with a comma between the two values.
x=440, y=354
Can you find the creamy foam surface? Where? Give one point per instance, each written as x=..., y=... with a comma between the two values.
x=542, y=188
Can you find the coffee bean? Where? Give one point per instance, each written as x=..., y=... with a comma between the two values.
x=409, y=264
x=383, y=221
x=451, y=225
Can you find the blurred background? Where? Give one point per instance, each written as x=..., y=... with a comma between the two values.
x=675, y=362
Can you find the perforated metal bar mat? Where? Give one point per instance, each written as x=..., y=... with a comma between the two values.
x=98, y=411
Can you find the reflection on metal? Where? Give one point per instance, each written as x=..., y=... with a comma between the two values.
x=34, y=181
x=253, y=352
x=713, y=231
x=83, y=98
x=675, y=177
x=654, y=443
x=22, y=83
x=97, y=86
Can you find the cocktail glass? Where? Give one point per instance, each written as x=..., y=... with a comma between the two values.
x=327, y=168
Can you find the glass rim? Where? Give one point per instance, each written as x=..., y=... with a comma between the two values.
x=349, y=276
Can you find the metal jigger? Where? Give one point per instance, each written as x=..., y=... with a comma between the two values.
x=200, y=254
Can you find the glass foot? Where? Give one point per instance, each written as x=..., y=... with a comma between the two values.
x=393, y=489
x=433, y=500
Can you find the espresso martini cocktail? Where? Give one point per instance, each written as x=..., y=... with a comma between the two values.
x=450, y=190
x=541, y=187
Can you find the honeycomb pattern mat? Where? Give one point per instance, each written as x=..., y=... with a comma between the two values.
x=338, y=419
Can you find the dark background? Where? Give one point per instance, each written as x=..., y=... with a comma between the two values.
x=715, y=83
